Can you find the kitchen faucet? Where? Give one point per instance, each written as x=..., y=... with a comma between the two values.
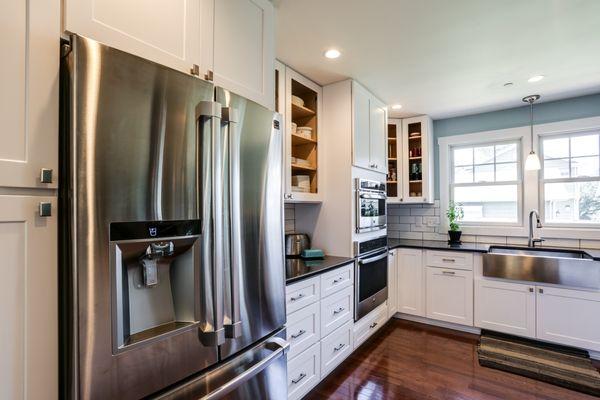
x=531, y=242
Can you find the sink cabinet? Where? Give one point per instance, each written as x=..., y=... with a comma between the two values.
x=568, y=317
x=505, y=307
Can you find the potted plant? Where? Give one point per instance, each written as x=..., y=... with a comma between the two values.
x=455, y=213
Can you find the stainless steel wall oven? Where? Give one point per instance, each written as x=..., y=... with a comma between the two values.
x=371, y=276
x=370, y=205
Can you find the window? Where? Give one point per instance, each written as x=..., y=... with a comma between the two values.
x=571, y=179
x=486, y=180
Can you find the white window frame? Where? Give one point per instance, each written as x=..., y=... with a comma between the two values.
x=518, y=182
x=532, y=180
x=562, y=130
x=525, y=178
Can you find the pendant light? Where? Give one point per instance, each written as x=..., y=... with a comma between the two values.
x=532, y=163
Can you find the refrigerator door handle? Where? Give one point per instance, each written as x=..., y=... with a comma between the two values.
x=208, y=114
x=279, y=346
x=233, y=323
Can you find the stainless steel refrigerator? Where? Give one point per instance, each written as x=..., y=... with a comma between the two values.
x=172, y=265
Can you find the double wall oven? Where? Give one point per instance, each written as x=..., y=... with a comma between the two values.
x=370, y=205
x=371, y=275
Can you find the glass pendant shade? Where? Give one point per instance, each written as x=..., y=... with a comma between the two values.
x=532, y=163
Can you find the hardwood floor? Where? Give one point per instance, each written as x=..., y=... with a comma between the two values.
x=411, y=361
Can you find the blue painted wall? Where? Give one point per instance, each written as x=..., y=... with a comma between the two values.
x=561, y=110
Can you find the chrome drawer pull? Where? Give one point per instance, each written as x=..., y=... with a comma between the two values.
x=448, y=260
x=299, y=378
x=338, y=280
x=301, y=295
x=373, y=325
x=448, y=272
x=300, y=333
x=339, y=310
x=339, y=347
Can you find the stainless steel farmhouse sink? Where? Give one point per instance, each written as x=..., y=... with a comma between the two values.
x=573, y=268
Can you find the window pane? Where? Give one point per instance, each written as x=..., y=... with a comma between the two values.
x=572, y=202
x=463, y=174
x=484, y=155
x=556, y=168
x=484, y=173
x=488, y=203
x=584, y=166
x=584, y=145
x=556, y=148
x=506, y=172
x=506, y=152
x=463, y=156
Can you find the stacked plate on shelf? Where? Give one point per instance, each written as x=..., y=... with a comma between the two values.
x=297, y=101
x=304, y=131
x=301, y=183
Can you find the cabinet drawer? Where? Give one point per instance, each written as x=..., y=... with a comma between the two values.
x=369, y=324
x=450, y=259
x=304, y=372
x=303, y=329
x=301, y=294
x=336, y=310
x=336, y=280
x=335, y=348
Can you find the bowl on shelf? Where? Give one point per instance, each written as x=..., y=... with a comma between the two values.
x=297, y=101
x=302, y=161
x=301, y=181
x=294, y=127
x=300, y=189
x=304, y=131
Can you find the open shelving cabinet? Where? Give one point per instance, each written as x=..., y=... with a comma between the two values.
x=394, y=160
x=302, y=149
x=417, y=165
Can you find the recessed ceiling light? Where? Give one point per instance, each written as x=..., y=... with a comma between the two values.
x=332, y=53
x=535, y=78
x=396, y=106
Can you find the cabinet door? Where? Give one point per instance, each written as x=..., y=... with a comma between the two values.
x=377, y=135
x=417, y=160
x=165, y=31
x=360, y=126
x=410, y=282
x=29, y=95
x=28, y=299
x=244, y=48
x=569, y=317
x=505, y=307
x=392, y=284
x=450, y=295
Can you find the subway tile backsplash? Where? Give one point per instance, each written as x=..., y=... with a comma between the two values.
x=423, y=221
x=290, y=218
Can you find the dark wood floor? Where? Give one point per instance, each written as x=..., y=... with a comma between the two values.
x=411, y=361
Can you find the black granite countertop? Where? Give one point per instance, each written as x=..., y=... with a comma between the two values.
x=465, y=246
x=298, y=268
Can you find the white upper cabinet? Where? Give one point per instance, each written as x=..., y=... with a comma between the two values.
x=369, y=126
x=164, y=31
x=29, y=94
x=417, y=160
x=244, y=48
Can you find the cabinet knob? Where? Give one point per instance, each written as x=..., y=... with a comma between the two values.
x=209, y=75
x=45, y=209
x=541, y=291
x=530, y=290
x=46, y=175
x=195, y=70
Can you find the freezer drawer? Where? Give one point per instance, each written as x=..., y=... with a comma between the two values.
x=258, y=373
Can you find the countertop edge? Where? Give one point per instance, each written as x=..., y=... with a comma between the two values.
x=341, y=263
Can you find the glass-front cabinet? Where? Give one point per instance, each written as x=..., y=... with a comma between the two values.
x=302, y=109
x=394, y=161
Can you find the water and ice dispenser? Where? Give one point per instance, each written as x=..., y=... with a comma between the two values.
x=155, y=279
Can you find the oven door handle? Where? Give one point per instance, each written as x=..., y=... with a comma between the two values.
x=373, y=259
x=372, y=196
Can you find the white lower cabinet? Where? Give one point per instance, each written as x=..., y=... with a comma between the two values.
x=410, y=282
x=450, y=295
x=304, y=372
x=301, y=294
x=28, y=299
x=336, y=347
x=505, y=307
x=570, y=317
x=369, y=324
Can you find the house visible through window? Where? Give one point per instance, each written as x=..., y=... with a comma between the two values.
x=486, y=180
x=571, y=179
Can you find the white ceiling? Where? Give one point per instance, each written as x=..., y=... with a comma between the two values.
x=446, y=57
